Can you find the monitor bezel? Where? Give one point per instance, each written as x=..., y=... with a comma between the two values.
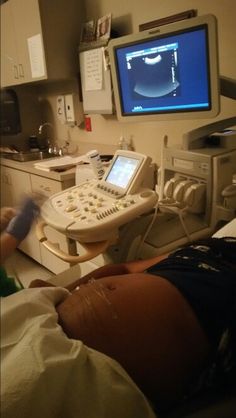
x=214, y=80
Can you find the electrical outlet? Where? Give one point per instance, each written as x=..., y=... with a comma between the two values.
x=61, y=111
x=69, y=106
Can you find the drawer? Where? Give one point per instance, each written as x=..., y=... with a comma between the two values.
x=46, y=187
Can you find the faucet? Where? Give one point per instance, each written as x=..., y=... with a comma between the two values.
x=52, y=148
x=42, y=126
x=52, y=145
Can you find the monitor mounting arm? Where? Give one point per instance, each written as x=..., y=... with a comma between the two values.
x=228, y=87
x=195, y=138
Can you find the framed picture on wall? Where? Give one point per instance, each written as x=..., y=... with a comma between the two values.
x=104, y=27
x=88, y=32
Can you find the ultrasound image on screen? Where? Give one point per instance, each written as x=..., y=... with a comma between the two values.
x=154, y=75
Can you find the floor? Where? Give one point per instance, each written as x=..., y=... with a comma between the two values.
x=25, y=269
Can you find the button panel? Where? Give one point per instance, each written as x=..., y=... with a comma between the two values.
x=86, y=202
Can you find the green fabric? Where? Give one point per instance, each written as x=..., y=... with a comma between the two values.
x=7, y=284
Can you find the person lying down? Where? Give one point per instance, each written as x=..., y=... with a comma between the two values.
x=162, y=319
x=166, y=320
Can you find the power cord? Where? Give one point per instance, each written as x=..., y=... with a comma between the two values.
x=173, y=207
x=147, y=230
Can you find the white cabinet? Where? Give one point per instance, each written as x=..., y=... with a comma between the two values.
x=39, y=40
x=20, y=22
x=6, y=187
x=9, y=56
x=14, y=183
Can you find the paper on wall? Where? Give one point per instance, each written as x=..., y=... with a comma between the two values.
x=35, y=47
x=93, y=71
x=97, y=101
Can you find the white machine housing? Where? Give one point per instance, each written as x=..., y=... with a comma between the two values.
x=202, y=169
x=94, y=210
x=197, y=188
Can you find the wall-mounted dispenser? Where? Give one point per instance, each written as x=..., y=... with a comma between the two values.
x=10, y=123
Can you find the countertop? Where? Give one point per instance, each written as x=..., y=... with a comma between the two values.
x=28, y=167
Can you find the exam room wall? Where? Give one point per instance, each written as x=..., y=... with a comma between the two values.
x=146, y=137
x=126, y=17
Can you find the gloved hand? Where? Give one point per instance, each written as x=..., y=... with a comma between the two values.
x=20, y=225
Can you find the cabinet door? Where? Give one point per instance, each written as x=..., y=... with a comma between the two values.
x=27, y=23
x=21, y=184
x=15, y=184
x=6, y=187
x=9, y=59
x=39, y=40
x=22, y=51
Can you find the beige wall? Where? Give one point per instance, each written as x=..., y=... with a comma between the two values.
x=147, y=136
x=127, y=15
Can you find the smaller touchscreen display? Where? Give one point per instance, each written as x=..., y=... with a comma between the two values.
x=122, y=171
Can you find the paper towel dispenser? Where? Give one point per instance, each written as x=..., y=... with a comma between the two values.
x=10, y=123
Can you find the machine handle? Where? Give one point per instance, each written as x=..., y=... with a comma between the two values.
x=92, y=249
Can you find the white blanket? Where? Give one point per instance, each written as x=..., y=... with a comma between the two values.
x=45, y=374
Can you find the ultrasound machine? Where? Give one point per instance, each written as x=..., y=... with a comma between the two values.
x=166, y=73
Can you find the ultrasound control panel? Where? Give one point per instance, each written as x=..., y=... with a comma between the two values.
x=92, y=211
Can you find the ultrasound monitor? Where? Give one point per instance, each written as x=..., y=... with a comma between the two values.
x=170, y=72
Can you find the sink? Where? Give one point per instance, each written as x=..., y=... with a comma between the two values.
x=28, y=156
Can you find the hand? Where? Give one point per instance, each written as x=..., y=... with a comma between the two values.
x=6, y=214
x=20, y=225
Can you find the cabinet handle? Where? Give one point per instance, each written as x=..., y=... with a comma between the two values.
x=21, y=70
x=46, y=189
x=16, y=75
x=9, y=182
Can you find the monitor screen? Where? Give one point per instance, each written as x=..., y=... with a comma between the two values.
x=122, y=171
x=169, y=74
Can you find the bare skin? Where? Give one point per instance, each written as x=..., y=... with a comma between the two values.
x=140, y=320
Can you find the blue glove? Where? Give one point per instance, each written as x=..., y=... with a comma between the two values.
x=20, y=225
